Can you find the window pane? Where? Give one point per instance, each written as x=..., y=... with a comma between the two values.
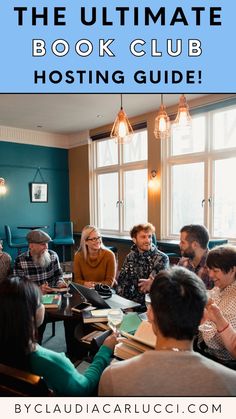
x=136, y=150
x=224, y=129
x=135, y=198
x=187, y=194
x=184, y=141
x=107, y=153
x=224, y=219
x=107, y=201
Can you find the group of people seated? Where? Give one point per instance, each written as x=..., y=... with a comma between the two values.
x=200, y=291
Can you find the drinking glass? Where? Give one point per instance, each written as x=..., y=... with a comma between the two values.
x=208, y=325
x=147, y=300
x=115, y=317
x=67, y=278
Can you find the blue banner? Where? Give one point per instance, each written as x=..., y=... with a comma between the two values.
x=117, y=46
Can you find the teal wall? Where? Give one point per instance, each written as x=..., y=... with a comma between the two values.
x=18, y=165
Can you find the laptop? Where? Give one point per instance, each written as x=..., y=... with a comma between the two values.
x=115, y=301
x=91, y=295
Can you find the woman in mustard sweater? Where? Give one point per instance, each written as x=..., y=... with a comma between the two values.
x=93, y=263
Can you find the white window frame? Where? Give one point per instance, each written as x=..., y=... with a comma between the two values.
x=208, y=157
x=119, y=168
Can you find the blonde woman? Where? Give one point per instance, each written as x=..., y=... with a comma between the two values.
x=93, y=263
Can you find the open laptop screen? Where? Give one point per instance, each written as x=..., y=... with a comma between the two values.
x=91, y=296
x=115, y=301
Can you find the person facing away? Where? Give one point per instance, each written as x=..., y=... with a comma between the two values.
x=141, y=265
x=193, y=245
x=5, y=263
x=221, y=263
x=39, y=264
x=177, y=304
x=93, y=263
x=21, y=312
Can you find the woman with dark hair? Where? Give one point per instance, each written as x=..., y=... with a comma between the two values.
x=221, y=263
x=21, y=313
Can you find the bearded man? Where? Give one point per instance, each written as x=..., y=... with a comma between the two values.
x=39, y=264
x=193, y=245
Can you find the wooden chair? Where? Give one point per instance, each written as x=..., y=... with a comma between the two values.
x=14, y=382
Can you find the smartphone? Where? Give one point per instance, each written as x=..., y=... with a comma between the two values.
x=80, y=307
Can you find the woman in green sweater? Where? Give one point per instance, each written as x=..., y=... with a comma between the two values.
x=21, y=313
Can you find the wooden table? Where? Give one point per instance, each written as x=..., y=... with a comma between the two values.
x=64, y=310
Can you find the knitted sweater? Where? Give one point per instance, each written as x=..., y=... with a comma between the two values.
x=100, y=270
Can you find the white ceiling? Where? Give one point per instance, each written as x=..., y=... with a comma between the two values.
x=71, y=113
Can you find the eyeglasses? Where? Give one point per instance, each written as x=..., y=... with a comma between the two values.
x=94, y=239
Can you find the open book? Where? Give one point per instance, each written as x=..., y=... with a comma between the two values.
x=144, y=334
x=142, y=340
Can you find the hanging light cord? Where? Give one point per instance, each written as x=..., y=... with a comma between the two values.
x=121, y=102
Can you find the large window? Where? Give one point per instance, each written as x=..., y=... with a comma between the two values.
x=119, y=183
x=199, y=170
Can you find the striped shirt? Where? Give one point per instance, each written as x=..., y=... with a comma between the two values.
x=25, y=267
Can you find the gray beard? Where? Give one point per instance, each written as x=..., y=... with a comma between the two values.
x=43, y=260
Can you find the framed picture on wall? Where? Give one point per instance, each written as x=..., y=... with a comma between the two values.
x=38, y=192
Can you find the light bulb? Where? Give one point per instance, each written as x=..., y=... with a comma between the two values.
x=122, y=129
x=3, y=188
x=183, y=120
x=162, y=124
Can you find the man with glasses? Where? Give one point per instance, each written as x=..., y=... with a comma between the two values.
x=5, y=263
x=193, y=245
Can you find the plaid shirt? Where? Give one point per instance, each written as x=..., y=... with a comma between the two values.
x=200, y=270
x=24, y=266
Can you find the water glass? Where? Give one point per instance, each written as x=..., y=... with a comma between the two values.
x=115, y=317
x=67, y=278
x=207, y=326
x=147, y=300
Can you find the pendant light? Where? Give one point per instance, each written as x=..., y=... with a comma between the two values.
x=3, y=188
x=183, y=118
x=162, y=123
x=122, y=131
